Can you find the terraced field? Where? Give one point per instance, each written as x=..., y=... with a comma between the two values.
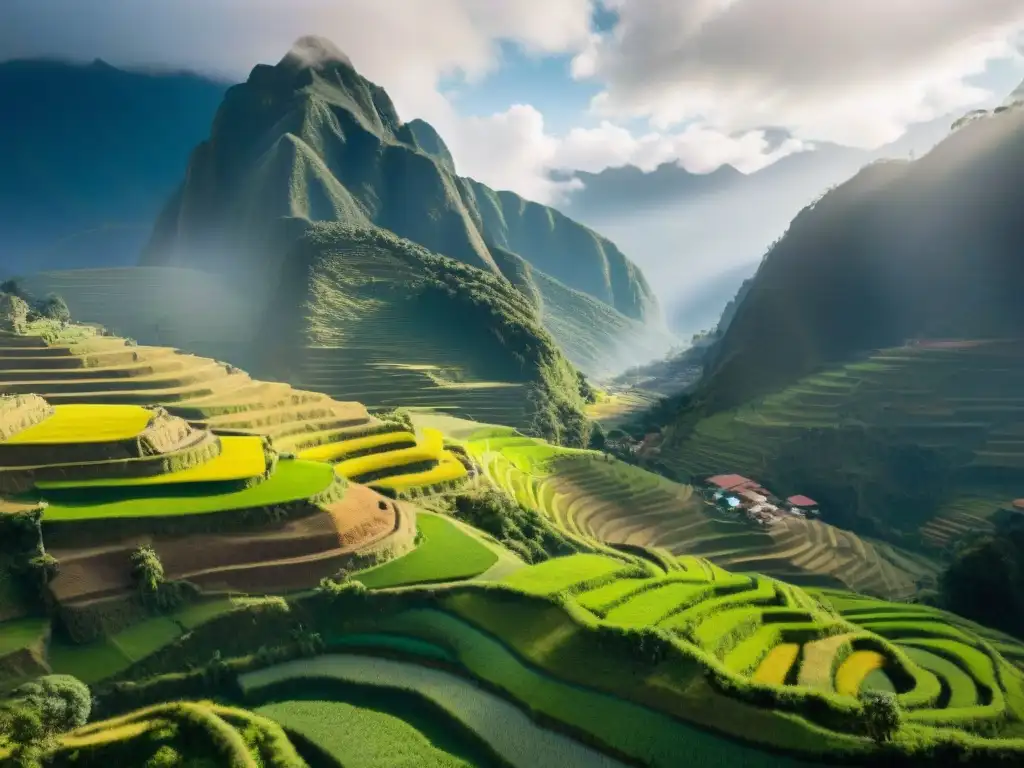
x=616, y=407
x=281, y=524
x=593, y=496
x=84, y=370
x=946, y=671
x=386, y=359
x=178, y=733
x=959, y=399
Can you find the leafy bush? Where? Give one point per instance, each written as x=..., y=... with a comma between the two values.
x=882, y=715
x=53, y=307
x=523, y=530
x=147, y=570
x=13, y=313
x=62, y=702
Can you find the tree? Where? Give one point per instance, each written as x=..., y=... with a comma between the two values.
x=23, y=727
x=147, y=570
x=13, y=313
x=14, y=288
x=63, y=702
x=882, y=715
x=54, y=307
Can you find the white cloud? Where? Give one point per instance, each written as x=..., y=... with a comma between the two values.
x=851, y=72
x=707, y=74
x=698, y=148
x=509, y=150
x=406, y=46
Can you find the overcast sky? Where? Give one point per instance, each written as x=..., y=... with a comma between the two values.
x=518, y=87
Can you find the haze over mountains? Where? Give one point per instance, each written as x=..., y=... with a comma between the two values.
x=875, y=360
x=91, y=152
x=310, y=140
x=698, y=236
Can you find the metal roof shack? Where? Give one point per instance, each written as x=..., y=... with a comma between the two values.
x=803, y=502
x=733, y=482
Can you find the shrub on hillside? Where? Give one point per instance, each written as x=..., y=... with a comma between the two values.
x=53, y=307
x=13, y=313
x=147, y=570
x=522, y=530
x=882, y=715
x=38, y=711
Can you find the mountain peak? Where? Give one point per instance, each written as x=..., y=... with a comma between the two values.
x=314, y=52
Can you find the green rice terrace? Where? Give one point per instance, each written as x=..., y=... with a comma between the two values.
x=263, y=576
x=934, y=430
x=591, y=659
x=593, y=495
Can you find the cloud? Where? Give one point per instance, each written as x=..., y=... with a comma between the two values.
x=407, y=46
x=697, y=148
x=857, y=73
x=509, y=150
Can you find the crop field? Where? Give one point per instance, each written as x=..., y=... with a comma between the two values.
x=508, y=732
x=775, y=668
x=448, y=468
x=21, y=633
x=614, y=408
x=178, y=733
x=543, y=661
x=854, y=671
x=786, y=636
x=344, y=448
x=960, y=399
x=591, y=495
x=82, y=423
x=293, y=480
x=240, y=458
x=91, y=371
x=384, y=739
x=102, y=659
x=445, y=553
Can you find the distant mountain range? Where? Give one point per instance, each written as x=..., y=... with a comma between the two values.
x=91, y=153
x=697, y=236
x=924, y=248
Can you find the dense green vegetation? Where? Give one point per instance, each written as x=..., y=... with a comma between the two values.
x=393, y=324
x=523, y=530
x=338, y=728
x=985, y=581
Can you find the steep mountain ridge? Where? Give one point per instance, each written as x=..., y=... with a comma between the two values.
x=349, y=158
x=904, y=249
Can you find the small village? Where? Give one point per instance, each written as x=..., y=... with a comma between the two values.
x=741, y=495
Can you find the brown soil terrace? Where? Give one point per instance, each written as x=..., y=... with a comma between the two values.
x=289, y=557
